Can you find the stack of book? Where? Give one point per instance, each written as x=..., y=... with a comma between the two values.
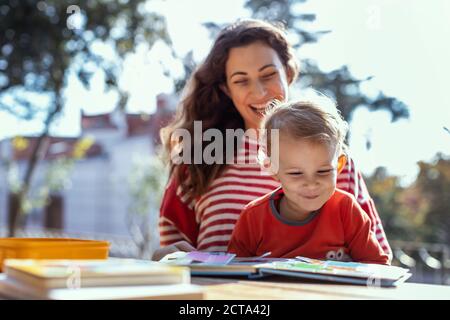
x=95, y=279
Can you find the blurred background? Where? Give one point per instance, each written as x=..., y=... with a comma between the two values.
x=85, y=87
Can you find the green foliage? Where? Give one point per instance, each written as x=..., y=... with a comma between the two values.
x=419, y=212
x=285, y=11
x=42, y=39
x=339, y=84
x=147, y=181
x=345, y=89
x=56, y=176
x=434, y=183
x=387, y=195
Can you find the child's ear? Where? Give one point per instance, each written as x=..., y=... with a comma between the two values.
x=342, y=160
x=267, y=165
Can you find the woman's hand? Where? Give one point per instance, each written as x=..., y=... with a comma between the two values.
x=177, y=246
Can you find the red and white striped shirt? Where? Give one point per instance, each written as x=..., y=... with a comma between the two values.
x=208, y=221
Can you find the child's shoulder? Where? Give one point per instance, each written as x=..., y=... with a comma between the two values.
x=342, y=197
x=261, y=201
x=340, y=202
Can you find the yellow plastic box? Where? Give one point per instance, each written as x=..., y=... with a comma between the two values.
x=52, y=248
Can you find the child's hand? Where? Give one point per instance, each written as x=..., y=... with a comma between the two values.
x=177, y=246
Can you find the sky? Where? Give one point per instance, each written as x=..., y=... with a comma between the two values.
x=403, y=44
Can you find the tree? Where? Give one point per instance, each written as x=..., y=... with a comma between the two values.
x=282, y=11
x=433, y=182
x=42, y=41
x=420, y=211
x=345, y=89
x=402, y=210
x=340, y=84
x=146, y=183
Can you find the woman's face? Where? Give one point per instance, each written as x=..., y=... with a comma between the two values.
x=255, y=76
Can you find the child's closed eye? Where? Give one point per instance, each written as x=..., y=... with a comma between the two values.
x=325, y=172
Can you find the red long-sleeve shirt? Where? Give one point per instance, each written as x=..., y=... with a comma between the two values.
x=340, y=230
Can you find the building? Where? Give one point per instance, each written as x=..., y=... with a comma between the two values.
x=97, y=198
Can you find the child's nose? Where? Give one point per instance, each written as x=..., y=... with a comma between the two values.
x=310, y=182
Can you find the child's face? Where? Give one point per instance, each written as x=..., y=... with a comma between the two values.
x=307, y=172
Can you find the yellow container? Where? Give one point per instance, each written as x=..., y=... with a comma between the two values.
x=52, y=248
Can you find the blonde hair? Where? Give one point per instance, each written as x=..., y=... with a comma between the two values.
x=316, y=119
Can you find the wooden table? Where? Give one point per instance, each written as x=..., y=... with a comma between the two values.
x=281, y=288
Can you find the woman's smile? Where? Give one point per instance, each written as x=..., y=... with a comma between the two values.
x=255, y=78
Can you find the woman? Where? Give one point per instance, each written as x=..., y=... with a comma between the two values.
x=250, y=65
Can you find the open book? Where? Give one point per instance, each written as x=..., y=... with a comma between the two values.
x=299, y=267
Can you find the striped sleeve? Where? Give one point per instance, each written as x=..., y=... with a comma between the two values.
x=351, y=181
x=177, y=217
